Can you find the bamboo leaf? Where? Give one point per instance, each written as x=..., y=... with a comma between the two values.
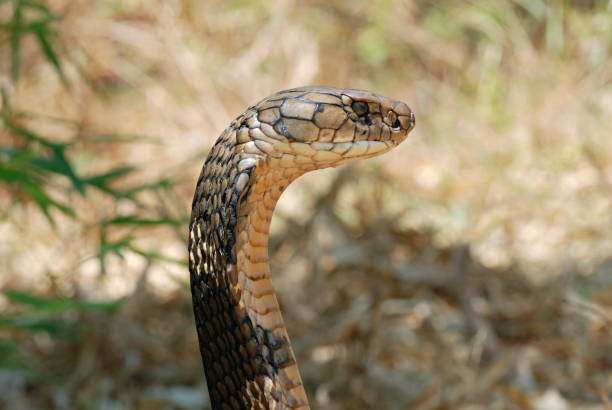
x=117, y=248
x=42, y=34
x=60, y=165
x=49, y=305
x=37, y=322
x=26, y=298
x=137, y=221
x=152, y=255
x=45, y=202
x=102, y=181
x=9, y=355
x=162, y=184
x=15, y=27
x=20, y=176
x=57, y=162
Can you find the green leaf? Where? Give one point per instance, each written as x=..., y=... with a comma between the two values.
x=6, y=107
x=49, y=305
x=27, y=299
x=18, y=26
x=11, y=176
x=118, y=248
x=15, y=27
x=101, y=181
x=45, y=202
x=42, y=33
x=152, y=255
x=60, y=165
x=43, y=307
x=57, y=163
x=16, y=171
x=9, y=354
x=163, y=184
x=38, y=322
x=8, y=349
x=137, y=221
x=40, y=6
x=30, y=136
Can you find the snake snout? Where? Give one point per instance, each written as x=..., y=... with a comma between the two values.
x=405, y=116
x=404, y=122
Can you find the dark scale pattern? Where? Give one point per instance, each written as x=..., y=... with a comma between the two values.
x=301, y=129
x=234, y=351
x=228, y=365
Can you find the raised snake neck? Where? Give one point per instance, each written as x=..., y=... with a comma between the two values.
x=247, y=355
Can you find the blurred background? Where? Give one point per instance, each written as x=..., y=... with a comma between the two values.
x=470, y=268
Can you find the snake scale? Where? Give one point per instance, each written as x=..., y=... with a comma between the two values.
x=246, y=352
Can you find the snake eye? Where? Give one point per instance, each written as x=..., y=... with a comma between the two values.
x=360, y=108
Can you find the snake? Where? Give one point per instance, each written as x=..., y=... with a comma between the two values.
x=246, y=352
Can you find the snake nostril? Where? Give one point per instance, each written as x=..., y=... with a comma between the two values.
x=396, y=124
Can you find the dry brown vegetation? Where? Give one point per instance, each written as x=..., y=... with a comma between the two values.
x=468, y=269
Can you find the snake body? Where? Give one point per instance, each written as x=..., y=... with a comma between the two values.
x=246, y=352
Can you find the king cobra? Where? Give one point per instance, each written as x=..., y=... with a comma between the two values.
x=248, y=359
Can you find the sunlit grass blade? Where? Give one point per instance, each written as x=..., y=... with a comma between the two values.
x=18, y=26
x=117, y=248
x=42, y=33
x=11, y=175
x=51, y=305
x=135, y=220
x=46, y=314
x=57, y=162
x=45, y=202
x=102, y=181
x=29, y=299
x=32, y=187
x=15, y=27
x=40, y=306
x=39, y=6
x=163, y=184
x=37, y=322
x=9, y=355
x=152, y=255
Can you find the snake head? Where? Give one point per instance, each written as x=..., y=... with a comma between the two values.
x=320, y=127
x=376, y=119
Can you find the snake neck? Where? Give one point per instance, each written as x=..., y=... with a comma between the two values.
x=246, y=352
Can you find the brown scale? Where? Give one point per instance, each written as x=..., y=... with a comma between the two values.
x=247, y=355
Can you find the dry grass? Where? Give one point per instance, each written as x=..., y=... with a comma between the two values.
x=465, y=270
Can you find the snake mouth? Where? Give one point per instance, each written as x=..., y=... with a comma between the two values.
x=353, y=151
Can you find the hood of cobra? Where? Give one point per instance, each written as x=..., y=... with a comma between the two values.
x=320, y=127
